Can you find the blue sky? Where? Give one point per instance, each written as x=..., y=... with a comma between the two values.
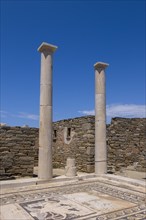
x=85, y=32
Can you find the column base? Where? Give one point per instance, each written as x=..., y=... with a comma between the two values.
x=101, y=167
x=45, y=170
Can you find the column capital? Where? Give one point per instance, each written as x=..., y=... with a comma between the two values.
x=99, y=66
x=47, y=47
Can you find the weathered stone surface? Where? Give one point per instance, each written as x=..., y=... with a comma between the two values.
x=70, y=169
x=86, y=126
x=90, y=168
x=45, y=169
x=100, y=119
x=79, y=141
x=90, y=150
x=17, y=150
x=19, y=158
x=123, y=148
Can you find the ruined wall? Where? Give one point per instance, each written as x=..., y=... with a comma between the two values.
x=74, y=138
x=126, y=142
x=17, y=150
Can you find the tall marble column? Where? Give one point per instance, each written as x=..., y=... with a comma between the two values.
x=100, y=119
x=45, y=131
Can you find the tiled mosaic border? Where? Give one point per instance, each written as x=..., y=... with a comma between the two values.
x=134, y=213
x=115, y=191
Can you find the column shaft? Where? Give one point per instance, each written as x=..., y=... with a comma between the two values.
x=45, y=170
x=100, y=120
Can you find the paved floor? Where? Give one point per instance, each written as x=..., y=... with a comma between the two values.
x=87, y=197
x=131, y=173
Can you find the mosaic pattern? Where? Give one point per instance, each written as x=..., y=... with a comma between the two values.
x=55, y=209
x=59, y=203
x=134, y=213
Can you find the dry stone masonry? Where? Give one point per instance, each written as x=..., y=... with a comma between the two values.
x=126, y=145
x=17, y=150
x=74, y=138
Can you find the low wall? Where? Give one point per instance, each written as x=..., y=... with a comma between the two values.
x=126, y=143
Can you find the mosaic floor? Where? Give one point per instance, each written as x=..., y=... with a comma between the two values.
x=90, y=201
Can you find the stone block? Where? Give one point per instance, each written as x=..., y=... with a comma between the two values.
x=26, y=158
x=90, y=168
x=4, y=149
x=70, y=169
x=90, y=159
x=86, y=126
x=90, y=151
x=2, y=170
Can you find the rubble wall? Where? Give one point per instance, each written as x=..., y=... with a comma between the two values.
x=126, y=145
x=17, y=150
x=126, y=141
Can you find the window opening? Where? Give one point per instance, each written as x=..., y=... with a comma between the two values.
x=68, y=133
x=55, y=135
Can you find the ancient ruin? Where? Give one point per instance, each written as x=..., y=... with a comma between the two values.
x=84, y=144
x=125, y=146
x=45, y=131
x=100, y=119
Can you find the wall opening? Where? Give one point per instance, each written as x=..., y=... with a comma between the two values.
x=54, y=135
x=68, y=137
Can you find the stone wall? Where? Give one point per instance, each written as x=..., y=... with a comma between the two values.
x=126, y=142
x=74, y=138
x=17, y=150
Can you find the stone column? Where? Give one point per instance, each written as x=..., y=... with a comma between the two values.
x=45, y=131
x=100, y=119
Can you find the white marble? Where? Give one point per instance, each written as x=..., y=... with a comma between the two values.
x=100, y=109
x=100, y=128
x=70, y=169
x=46, y=95
x=45, y=131
x=99, y=202
x=100, y=152
x=100, y=81
x=13, y=212
x=100, y=119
